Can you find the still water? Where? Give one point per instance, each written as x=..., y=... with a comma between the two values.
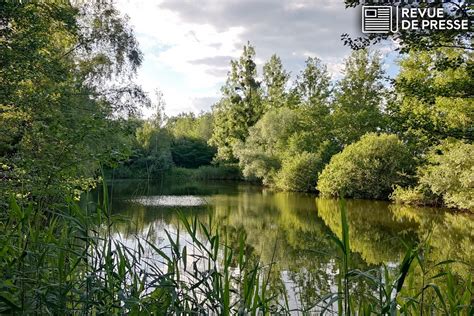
x=294, y=229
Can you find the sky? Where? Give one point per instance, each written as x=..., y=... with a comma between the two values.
x=188, y=44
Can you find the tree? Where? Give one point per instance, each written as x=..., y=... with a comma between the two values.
x=313, y=85
x=261, y=154
x=275, y=79
x=368, y=168
x=435, y=104
x=313, y=89
x=57, y=61
x=240, y=107
x=358, y=98
x=191, y=152
x=289, y=145
x=191, y=126
x=155, y=154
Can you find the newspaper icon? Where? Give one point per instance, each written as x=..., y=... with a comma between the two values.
x=376, y=19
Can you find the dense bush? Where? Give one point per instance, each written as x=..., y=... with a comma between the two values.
x=367, y=169
x=448, y=174
x=223, y=172
x=142, y=167
x=418, y=195
x=156, y=149
x=150, y=155
x=299, y=170
x=300, y=173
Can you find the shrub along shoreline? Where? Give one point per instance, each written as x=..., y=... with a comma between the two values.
x=378, y=166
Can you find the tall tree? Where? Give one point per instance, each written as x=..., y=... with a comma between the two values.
x=313, y=84
x=313, y=90
x=275, y=79
x=359, y=98
x=240, y=107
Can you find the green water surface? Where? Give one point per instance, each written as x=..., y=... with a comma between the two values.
x=293, y=230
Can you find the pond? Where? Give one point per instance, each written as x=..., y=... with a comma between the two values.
x=293, y=229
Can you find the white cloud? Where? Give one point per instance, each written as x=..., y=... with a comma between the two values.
x=188, y=44
x=171, y=47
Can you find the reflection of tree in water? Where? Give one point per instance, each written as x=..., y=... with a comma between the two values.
x=304, y=255
x=135, y=219
x=449, y=235
x=287, y=229
x=374, y=234
x=377, y=230
x=282, y=228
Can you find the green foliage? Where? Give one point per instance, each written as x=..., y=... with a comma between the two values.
x=300, y=173
x=261, y=154
x=299, y=170
x=447, y=174
x=191, y=126
x=240, y=107
x=450, y=173
x=151, y=153
x=313, y=85
x=435, y=104
x=307, y=118
x=181, y=142
x=275, y=79
x=313, y=89
x=190, y=136
x=418, y=195
x=56, y=102
x=425, y=108
x=191, y=153
x=284, y=133
x=367, y=169
x=218, y=172
x=359, y=97
x=287, y=144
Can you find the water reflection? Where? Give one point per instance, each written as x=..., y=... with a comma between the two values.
x=292, y=229
x=375, y=234
x=169, y=200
